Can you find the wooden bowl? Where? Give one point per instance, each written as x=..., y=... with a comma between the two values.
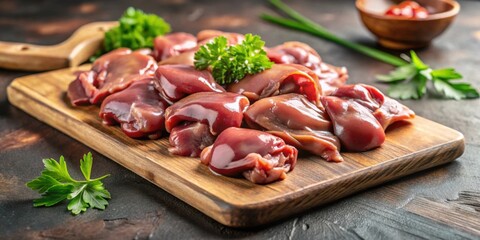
x=403, y=33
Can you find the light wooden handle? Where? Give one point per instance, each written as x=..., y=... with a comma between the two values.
x=75, y=50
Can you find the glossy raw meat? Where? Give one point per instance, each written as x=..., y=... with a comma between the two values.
x=280, y=79
x=360, y=113
x=185, y=58
x=354, y=124
x=206, y=36
x=331, y=77
x=368, y=96
x=138, y=109
x=260, y=157
x=295, y=52
x=384, y=109
x=297, y=121
x=392, y=111
x=110, y=73
x=173, y=44
x=177, y=81
x=300, y=53
x=189, y=139
x=218, y=111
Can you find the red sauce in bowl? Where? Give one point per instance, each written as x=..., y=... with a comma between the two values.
x=407, y=9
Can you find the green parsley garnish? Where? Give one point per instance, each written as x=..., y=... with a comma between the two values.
x=136, y=30
x=231, y=63
x=55, y=184
x=410, y=81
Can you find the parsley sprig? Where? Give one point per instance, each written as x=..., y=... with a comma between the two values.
x=410, y=81
x=136, y=30
x=55, y=184
x=231, y=63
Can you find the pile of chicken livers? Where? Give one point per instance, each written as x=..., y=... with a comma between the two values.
x=250, y=128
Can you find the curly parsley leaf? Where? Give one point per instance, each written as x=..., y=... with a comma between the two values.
x=231, y=63
x=136, y=30
x=410, y=81
x=56, y=185
x=214, y=54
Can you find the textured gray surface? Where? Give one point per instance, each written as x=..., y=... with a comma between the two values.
x=138, y=209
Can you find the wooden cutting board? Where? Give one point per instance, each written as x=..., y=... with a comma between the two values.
x=409, y=147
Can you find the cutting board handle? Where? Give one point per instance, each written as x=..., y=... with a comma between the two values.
x=75, y=50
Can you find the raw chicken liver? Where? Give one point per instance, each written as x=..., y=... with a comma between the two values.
x=194, y=121
x=297, y=121
x=110, y=73
x=138, y=109
x=260, y=157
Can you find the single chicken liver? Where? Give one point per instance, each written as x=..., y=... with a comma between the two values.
x=173, y=44
x=177, y=81
x=298, y=122
x=138, y=109
x=280, y=79
x=110, y=73
x=194, y=121
x=329, y=77
x=260, y=157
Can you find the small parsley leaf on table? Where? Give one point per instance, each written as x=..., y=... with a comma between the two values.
x=410, y=81
x=56, y=185
x=444, y=82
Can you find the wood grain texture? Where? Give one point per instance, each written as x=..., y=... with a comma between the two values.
x=469, y=199
x=409, y=147
x=72, y=52
x=120, y=228
x=449, y=214
x=17, y=139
